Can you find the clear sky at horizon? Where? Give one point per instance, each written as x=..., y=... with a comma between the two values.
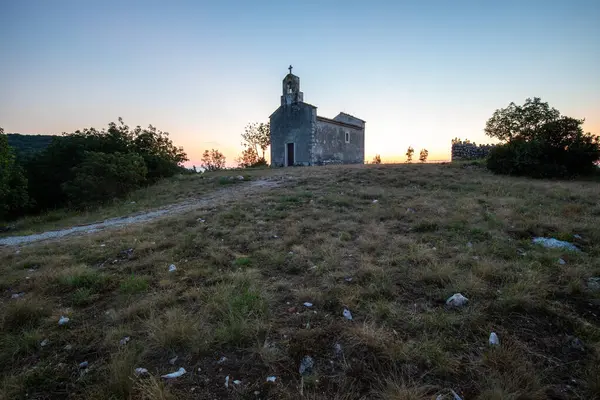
x=420, y=72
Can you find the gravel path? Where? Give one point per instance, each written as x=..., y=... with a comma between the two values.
x=218, y=197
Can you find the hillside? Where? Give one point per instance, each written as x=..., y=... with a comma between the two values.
x=262, y=279
x=25, y=145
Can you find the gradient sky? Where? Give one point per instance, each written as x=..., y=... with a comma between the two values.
x=420, y=72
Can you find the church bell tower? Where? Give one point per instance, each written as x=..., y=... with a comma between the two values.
x=291, y=89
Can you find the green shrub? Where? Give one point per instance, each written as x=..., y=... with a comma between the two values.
x=540, y=142
x=103, y=176
x=13, y=184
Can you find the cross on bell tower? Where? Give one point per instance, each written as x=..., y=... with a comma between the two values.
x=291, y=89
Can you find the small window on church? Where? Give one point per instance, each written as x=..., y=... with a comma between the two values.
x=347, y=137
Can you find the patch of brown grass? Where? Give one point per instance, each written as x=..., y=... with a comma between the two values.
x=243, y=275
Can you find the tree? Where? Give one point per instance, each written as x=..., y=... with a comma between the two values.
x=257, y=135
x=48, y=170
x=13, y=184
x=423, y=155
x=377, y=159
x=213, y=160
x=541, y=142
x=520, y=122
x=104, y=176
x=250, y=159
x=409, y=154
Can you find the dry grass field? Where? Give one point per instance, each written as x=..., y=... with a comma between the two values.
x=390, y=243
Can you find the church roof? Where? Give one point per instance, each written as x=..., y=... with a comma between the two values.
x=300, y=102
x=351, y=116
x=333, y=121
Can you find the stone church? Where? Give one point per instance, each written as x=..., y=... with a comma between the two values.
x=300, y=137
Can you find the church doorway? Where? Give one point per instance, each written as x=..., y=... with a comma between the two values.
x=290, y=154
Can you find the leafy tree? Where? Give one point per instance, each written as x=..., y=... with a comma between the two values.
x=104, y=176
x=213, y=160
x=423, y=155
x=409, y=154
x=250, y=159
x=257, y=135
x=541, y=142
x=520, y=121
x=50, y=169
x=13, y=184
x=377, y=159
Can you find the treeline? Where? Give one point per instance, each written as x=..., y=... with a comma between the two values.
x=25, y=146
x=84, y=168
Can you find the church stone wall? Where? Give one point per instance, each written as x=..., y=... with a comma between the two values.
x=292, y=123
x=330, y=147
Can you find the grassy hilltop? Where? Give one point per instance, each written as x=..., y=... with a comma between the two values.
x=388, y=242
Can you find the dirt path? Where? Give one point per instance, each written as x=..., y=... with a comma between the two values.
x=218, y=197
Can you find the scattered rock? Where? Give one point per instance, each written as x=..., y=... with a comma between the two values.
x=124, y=341
x=173, y=360
x=18, y=252
x=141, y=371
x=337, y=349
x=521, y=252
x=561, y=261
x=227, y=381
x=128, y=253
x=347, y=314
x=202, y=220
x=494, y=341
x=375, y=201
x=44, y=342
x=83, y=365
x=291, y=253
x=63, y=320
x=307, y=304
x=457, y=300
x=275, y=236
x=552, y=243
x=175, y=374
x=68, y=347
x=594, y=283
x=172, y=268
x=17, y=295
x=410, y=210
x=348, y=279
x=237, y=382
x=306, y=365
x=102, y=245
x=271, y=378
x=240, y=178
x=576, y=343
x=576, y=236
x=469, y=244
x=133, y=202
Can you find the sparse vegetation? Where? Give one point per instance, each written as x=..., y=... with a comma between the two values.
x=409, y=154
x=213, y=160
x=245, y=272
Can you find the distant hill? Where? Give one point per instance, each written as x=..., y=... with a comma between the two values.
x=26, y=145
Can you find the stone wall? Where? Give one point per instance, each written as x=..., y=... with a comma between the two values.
x=329, y=143
x=293, y=123
x=470, y=151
